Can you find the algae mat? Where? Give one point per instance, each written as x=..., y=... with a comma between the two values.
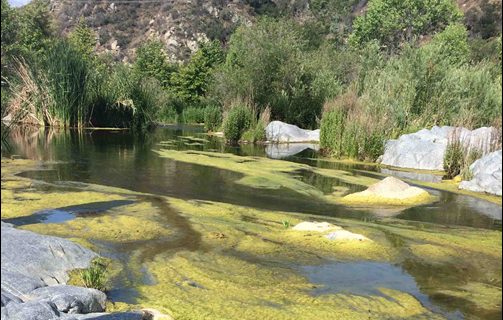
x=210, y=260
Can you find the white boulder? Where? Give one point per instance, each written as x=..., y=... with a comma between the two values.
x=277, y=131
x=486, y=174
x=425, y=149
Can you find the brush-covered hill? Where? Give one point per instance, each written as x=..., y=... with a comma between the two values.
x=122, y=25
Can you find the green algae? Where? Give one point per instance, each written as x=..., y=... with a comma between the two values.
x=127, y=223
x=244, y=258
x=445, y=185
x=227, y=287
x=267, y=173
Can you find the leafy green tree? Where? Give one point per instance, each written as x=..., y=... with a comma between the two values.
x=191, y=82
x=35, y=28
x=152, y=61
x=269, y=64
x=394, y=22
x=451, y=45
x=83, y=38
x=8, y=33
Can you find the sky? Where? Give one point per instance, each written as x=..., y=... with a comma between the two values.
x=18, y=3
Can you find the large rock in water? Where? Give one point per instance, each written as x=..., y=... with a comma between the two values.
x=486, y=174
x=31, y=260
x=34, y=272
x=389, y=192
x=277, y=131
x=425, y=149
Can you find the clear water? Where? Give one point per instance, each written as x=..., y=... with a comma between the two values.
x=121, y=159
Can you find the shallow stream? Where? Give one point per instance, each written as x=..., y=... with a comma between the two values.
x=120, y=159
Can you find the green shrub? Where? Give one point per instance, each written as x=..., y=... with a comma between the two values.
x=96, y=275
x=193, y=115
x=255, y=133
x=453, y=159
x=238, y=119
x=473, y=155
x=332, y=132
x=212, y=118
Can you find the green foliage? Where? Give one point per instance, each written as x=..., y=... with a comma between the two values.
x=212, y=118
x=9, y=30
x=332, y=132
x=451, y=45
x=192, y=80
x=286, y=224
x=395, y=22
x=256, y=133
x=265, y=64
x=193, y=115
x=238, y=119
x=96, y=275
x=454, y=159
x=83, y=38
x=473, y=155
x=35, y=28
x=152, y=61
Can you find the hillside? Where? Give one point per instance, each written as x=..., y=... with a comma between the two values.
x=122, y=25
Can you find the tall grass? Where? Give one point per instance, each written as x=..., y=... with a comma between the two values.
x=67, y=89
x=408, y=93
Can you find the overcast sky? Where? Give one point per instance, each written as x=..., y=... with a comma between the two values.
x=18, y=3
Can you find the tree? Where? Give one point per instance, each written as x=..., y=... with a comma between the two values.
x=83, y=38
x=35, y=27
x=191, y=82
x=451, y=45
x=395, y=22
x=9, y=32
x=152, y=61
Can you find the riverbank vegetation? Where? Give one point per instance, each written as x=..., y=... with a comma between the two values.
x=362, y=79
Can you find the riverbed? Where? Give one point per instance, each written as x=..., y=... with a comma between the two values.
x=196, y=228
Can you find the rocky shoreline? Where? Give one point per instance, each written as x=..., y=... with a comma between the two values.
x=34, y=275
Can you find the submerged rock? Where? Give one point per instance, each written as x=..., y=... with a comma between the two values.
x=344, y=235
x=315, y=226
x=389, y=191
x=277, y=131
x=425, y=149
x=486, y=174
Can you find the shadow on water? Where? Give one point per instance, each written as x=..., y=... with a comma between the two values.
x=122, y=159
x=63, y=214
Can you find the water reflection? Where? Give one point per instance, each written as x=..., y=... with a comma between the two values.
x=122, y=159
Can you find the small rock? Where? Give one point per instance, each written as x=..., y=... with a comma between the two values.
x=315, y=226
x=344, y=235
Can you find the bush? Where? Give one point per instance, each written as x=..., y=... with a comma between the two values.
x=193, y=115
x=212, y=118
x=238, y=119
x=453, y=159
x=96, y=275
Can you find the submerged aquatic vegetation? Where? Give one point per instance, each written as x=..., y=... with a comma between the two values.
x=232, y=258
x=266, y=173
